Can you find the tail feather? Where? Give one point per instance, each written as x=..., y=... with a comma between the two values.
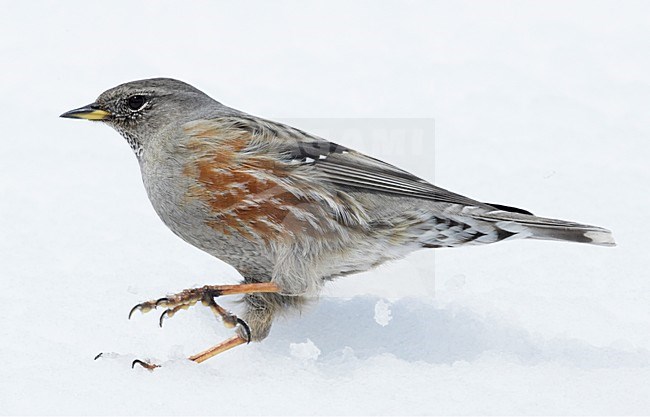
x=534, y=227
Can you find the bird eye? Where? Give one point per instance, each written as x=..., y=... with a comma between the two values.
x=136, y=102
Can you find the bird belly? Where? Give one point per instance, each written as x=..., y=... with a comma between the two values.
x=192, y=221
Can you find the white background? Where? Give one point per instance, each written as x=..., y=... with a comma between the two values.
x=542, y=105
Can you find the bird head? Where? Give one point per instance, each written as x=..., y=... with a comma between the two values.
x=140, y=109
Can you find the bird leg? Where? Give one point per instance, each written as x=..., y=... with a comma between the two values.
x=203, y=356
x=217, y=349
x=206, y=294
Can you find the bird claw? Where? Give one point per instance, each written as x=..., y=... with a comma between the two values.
x=145, y=365
x=136, y=307
x=162, y=300
x=162, y=317
x=246, y=328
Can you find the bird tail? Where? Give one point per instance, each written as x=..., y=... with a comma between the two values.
x=533, y=227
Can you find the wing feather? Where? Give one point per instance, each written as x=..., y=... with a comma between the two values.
x=353, y=169
x=344, y=167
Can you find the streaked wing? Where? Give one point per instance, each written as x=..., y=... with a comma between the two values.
x=357, y=171
x=348, y=169
x=361, y=172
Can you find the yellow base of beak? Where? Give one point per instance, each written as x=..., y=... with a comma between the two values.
x=87, y=113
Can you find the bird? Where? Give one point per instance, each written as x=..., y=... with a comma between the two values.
x=288, y=210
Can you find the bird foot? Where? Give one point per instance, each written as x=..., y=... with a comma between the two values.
x=206, y=295
x=186, y=299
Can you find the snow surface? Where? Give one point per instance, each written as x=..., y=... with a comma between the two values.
x=542, y=105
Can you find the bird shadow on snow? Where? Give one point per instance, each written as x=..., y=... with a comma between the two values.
x=418, y=330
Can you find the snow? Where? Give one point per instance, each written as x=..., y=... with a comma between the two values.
x=541, y=105
x=307, y=351
x=383, y=314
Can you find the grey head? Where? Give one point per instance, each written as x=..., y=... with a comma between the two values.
x=139, y=109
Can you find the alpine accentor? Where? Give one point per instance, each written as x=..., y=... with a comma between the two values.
x=289, y=210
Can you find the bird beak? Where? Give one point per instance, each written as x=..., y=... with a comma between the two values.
x=89, y=112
